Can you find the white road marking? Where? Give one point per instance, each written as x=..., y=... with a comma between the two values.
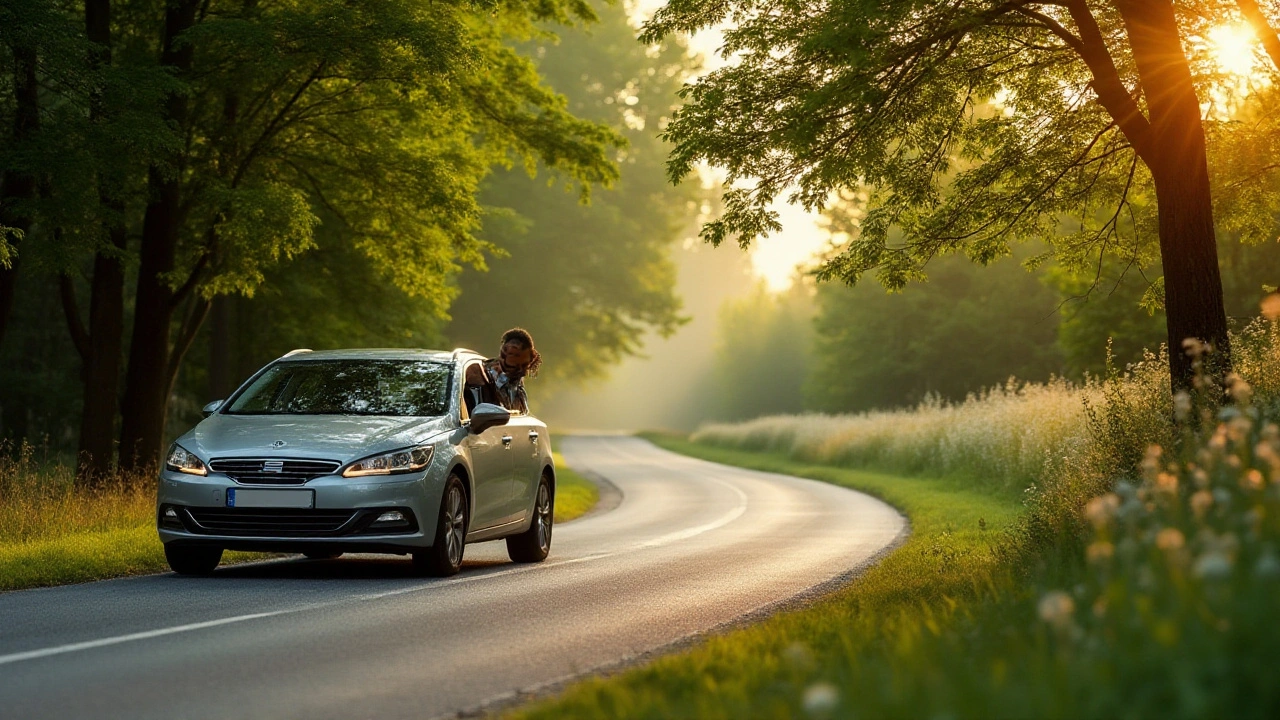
x=103, y=642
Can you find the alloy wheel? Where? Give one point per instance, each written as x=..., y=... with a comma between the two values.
x=455, y=526
x=544, y=518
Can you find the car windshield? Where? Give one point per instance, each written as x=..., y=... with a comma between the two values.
x=416, y=388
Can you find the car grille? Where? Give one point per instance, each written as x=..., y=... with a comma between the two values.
x=289, y=472
x=269, y=522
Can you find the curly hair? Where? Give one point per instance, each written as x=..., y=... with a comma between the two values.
x=522, y=336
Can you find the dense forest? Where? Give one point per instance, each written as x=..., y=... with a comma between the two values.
x=191, y=189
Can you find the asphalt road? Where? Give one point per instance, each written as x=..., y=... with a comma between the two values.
x=691, y=546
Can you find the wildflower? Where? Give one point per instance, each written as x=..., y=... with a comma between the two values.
x=1219, y=439
x=1167, y=482
x=1240, y=391
x=1201, y=502
x=1102, y=509
x=1056, y=608
x=1170, y=539
x=1201, y=477
x=821, y=698
x=1212, y=565
x=1251, y=480
x=1100, y=551
x=1151, y=462
x=1182, y=404
x=1271, y=306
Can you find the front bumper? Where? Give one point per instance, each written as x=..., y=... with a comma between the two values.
x=192, y=510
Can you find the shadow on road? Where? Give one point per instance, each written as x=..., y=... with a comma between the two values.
x=347, y=567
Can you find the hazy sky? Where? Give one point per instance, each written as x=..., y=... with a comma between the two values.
x=774, y=258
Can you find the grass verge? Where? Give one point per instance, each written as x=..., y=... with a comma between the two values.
x=850, y=651
x=575, y=495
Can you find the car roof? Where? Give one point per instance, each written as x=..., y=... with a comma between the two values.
x=377, y=354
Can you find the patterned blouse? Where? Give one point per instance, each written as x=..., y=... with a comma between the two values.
x=510, y=392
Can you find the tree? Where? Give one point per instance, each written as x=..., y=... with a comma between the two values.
x=965, y=329
x=590, y=280
x=973, y=124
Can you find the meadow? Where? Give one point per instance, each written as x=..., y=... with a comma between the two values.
x=1100, y=549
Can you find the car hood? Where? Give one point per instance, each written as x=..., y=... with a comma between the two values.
x=330, y=437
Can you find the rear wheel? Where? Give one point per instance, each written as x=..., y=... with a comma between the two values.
x=192, y=560
x=534, y=544
x=444, y=557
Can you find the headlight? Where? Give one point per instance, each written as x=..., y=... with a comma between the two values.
x=182, y=461
x=397, y=461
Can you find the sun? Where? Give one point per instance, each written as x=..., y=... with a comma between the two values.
x=1233, y=49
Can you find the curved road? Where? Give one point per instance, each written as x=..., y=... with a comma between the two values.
x=692, y=545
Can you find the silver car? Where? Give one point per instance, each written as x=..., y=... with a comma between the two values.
x=381, y=451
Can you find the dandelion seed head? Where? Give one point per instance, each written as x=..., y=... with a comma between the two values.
x=1212, y=565
x=1056, y=608
x=821, y=698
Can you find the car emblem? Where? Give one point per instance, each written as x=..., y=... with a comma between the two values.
x=273, y=466
x=279, y=444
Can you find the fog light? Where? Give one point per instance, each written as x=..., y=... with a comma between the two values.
x=393, y=516
x=169, y=517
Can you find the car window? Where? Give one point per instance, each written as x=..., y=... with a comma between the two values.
x=348, y=387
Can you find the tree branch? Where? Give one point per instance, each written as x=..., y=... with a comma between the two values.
x=1267, y=34
x=186, y=335
x=1056, y=28
x=1106, y=79
x=192, y=280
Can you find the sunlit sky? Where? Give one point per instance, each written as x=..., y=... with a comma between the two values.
x=775, y=257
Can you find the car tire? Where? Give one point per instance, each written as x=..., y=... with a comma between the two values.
x=322, y=555
x=444, y=557
x=533, y=545
x=192, y=560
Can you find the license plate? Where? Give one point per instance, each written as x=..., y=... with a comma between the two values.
x=244, y=497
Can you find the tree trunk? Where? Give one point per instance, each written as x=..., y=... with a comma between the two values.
x=1176, y=157
x=102, y=367
x=106, y=301
x=19, y=186
x=146, y=394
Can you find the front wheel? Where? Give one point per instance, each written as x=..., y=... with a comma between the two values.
x=192, y=560
x=534, y=544
x=444, y=557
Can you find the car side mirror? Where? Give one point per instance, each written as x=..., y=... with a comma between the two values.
x=487, y=415
x=212, y=407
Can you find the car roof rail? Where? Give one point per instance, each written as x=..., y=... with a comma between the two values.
x=459, y=351
x=295, y=352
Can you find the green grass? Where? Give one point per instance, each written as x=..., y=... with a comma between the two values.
x=87, y=556
x=575, y=495
x=870, y=647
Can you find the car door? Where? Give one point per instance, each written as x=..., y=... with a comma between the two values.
x=527, y=437
x=490, y=467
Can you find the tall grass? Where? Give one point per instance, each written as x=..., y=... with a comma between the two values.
x=39, y=498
